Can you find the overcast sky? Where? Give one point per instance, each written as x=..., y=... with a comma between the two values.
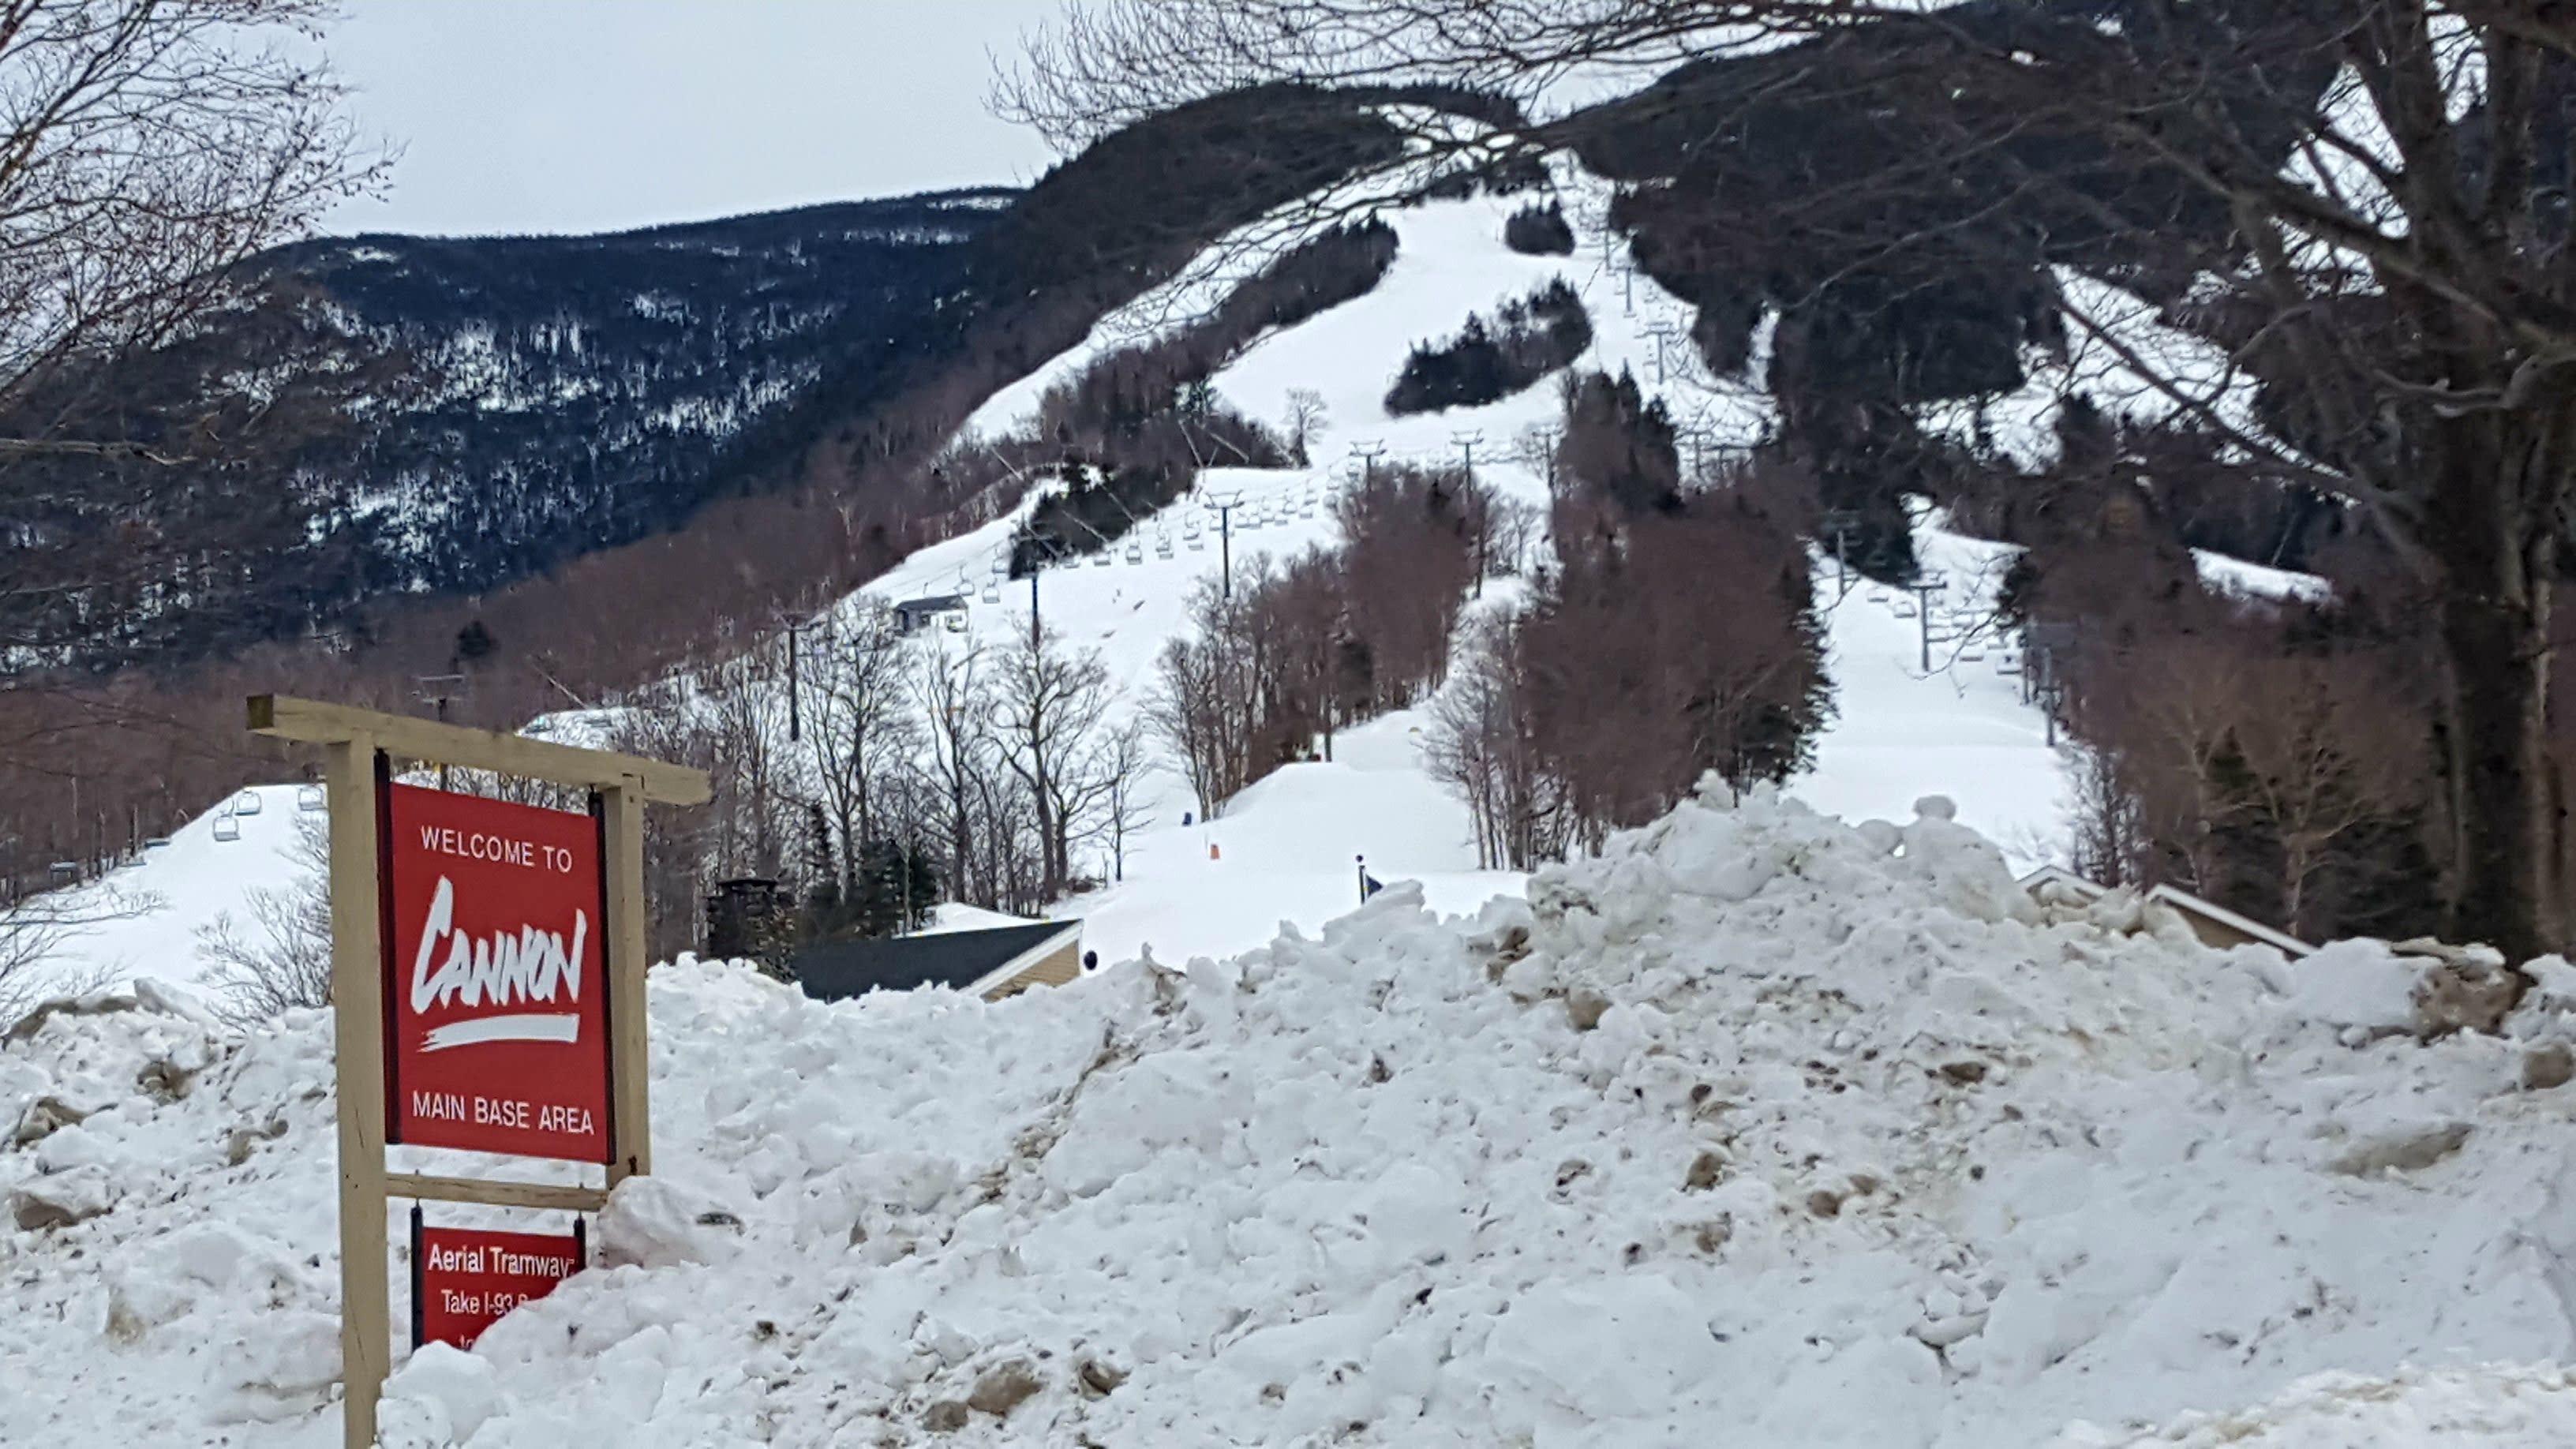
x=595, y=115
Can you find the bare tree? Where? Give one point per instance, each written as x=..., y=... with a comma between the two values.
x=1482, y=743
x=860, y=728
x=281, y=958
x=149, y=146
x=33, y=934
x=1124, y=764
x=2327, y=238
x=1049, y=711
x=1187, y=711
x=1305, y=421
x=952, y=693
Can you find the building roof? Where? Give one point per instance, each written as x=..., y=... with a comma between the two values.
x=951, y=916
x=2178, y=898
x=969, y=961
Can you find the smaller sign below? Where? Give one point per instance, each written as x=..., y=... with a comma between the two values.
x=464, y=1279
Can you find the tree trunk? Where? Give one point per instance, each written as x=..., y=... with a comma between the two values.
x=2494, y=551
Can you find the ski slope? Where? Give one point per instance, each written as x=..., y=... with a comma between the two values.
x=143, y=920
x=1936, y=718
x=1287, y=852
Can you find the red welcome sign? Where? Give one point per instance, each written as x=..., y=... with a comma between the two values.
x=464, y=1279
x=495, y=990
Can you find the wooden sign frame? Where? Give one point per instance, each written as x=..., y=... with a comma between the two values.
x=353, y=741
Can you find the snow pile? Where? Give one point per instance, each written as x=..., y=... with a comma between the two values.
x=1814, y=1134
x=2489, y=1409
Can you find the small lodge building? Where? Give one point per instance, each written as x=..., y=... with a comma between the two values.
x=981, y=953
x=914, y=615
x=2217, y=927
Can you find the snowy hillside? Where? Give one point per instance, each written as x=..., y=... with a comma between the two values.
x=1759, y=1129
x=1287, y=851
x=145, y=921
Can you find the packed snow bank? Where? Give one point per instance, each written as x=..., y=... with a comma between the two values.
x=2496, y=1408
x=2255, y=581
x=1758, y=1126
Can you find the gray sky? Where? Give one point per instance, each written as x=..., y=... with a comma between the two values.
x=595, y=115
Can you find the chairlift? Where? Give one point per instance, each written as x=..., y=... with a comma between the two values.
x=156, y=842
x=1100, y=560
x=2008, y=663
x=1163, y=545
x=311, y=797
x=227, y=826
x=992, y=593
x=1001, y=564
x=1971, y=655
x=953, y=622
x=1880, y=596
x=247, y=803
x=1197, y=544
x=1135, y=552
x=1903, y=608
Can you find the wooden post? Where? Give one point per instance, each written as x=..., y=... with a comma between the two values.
x=630, y=1089
x=358, y=1018
x=351, y=740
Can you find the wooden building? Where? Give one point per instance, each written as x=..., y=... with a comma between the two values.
x=990, y=961
x=2215, y=925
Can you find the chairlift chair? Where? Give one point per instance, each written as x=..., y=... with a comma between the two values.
x=311, y=797
x=1880, y=596
x=1100, y=560
x=992, y=593
x=247, y=802
x=2008, y=662
x=1971, y=655
x=1135, y=552
x=1196, y=543
x=1162, y=545
x=1001, y=564
x=954, y=622
x=227, y=826
x=1903, y=608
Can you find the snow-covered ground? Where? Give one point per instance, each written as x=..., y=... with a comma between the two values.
x=1758, y=1129
x=1286, y=851
x=1947, y=716
x=143, y=920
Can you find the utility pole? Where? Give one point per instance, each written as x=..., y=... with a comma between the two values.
x=1924, y=588
x=1661, y=331
x=1838, y=522
x=1225, y=503
x=795, y=711
x=438, y=689
x=2050, y=693
x=1037, y=566
x=1467, y=441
